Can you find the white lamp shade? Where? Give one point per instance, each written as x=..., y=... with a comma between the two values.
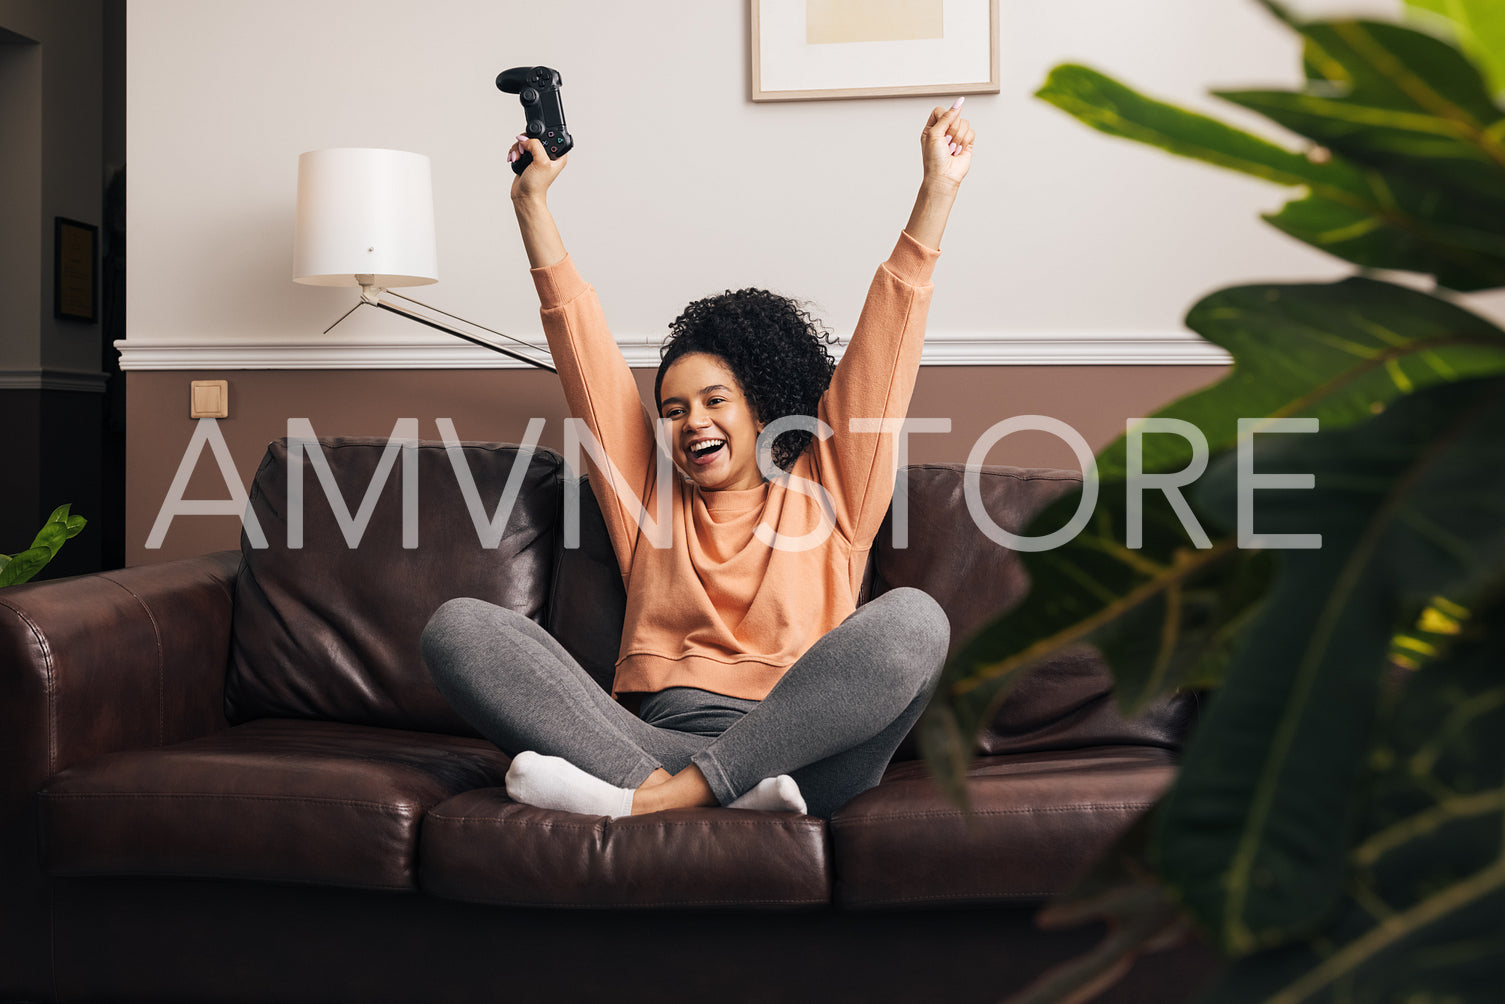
x=368, y=213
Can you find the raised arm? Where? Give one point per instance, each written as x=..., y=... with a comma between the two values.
x=946, y=152
x=876, y=376
x=598, y=385
x=529, y=200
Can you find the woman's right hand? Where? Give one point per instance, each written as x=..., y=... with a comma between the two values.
x=534, y=221
x=534, y=182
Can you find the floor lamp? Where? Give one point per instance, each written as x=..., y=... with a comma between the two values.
x=366, y=218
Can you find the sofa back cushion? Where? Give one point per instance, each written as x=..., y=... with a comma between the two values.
x=588, y=606
x=329, y=630
x=1065, y=702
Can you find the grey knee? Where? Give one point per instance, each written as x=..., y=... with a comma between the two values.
x=925, y=629
x=452, y=630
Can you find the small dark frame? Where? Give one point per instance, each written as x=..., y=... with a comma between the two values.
x=75, y=272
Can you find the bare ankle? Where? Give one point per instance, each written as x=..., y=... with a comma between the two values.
x=655, y=779
x=688, y=789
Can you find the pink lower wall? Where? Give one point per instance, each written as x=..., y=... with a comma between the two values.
x=495, y=405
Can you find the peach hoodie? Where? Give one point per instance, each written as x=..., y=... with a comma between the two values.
x=721, y=610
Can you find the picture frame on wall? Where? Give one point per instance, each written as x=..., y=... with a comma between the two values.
x=75, y=280
x=806, y=50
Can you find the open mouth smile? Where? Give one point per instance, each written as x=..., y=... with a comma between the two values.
x=704, y=451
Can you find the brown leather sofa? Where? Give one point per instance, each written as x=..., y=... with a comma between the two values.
x=229, y=778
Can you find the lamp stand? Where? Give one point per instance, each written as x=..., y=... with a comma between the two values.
x=371, y=294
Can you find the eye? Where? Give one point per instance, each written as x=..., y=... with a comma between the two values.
x=716, y=400
x=673, y=412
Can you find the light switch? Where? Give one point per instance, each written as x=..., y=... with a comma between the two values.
x=210, y=399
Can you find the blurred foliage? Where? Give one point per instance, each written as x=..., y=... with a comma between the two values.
x=1337, y=829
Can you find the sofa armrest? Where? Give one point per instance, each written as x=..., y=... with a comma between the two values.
x=111, y=661
x=89, y=665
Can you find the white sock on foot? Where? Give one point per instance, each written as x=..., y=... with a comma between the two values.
x=772, y=794
x=551, y=782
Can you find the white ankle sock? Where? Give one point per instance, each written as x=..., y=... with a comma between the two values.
x=772, y=794
x=551, y=782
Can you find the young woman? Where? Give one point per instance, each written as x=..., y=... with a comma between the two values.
x=759, y=683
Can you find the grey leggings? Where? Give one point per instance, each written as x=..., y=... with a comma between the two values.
x=831, y=722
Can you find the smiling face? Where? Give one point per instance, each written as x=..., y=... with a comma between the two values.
x=713, y=428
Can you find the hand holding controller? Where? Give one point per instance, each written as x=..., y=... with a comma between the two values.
x=538, y=89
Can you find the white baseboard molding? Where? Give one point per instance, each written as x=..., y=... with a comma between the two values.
x=1066, y=348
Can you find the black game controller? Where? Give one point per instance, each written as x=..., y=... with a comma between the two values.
x=538, y=88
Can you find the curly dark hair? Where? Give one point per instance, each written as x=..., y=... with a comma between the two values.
x=775, y=349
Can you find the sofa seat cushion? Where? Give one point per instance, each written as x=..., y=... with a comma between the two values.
x=482, y=847
x=1038, y=820
x=274, y=800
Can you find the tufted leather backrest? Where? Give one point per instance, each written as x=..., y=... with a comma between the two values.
x=1064, y=703
x=329, y=630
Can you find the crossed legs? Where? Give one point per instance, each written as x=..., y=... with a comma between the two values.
x=831, y=723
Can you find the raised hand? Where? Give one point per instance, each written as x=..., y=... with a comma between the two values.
x=534, y=221
x=946, y=145
x=535, y=181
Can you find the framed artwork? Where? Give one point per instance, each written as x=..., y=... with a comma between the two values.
x=811, y=49
x=75, y=252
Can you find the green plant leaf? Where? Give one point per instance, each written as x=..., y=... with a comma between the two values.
x=1167, y=615
x=1479, y=26
x=946, y=746
x=1418, y=112
x=1109, y=106
x=60, y=526
x=54, y=533
x=1141, y=915
x=1430, y=636
x=1424, y=891
x=1435, y=151
x=1151, y=607
x=1385, y=65
x=23, y=566
x=1333, y=867
x=1337, y=352
x=1461, y=253
x=1361, y=214
x=1411, y=504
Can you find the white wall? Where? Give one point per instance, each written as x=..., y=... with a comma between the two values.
x=680, y=185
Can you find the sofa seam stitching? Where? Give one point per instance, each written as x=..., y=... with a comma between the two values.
x=393, y=806
x=1043, y=810
x=629, y=906
x=161, y=654
x=49, y=691
x=946, y=897
x=130, y=873
x=49, y=686
x=548, y=824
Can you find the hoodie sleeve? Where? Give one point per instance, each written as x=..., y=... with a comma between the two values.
x=618, y=444
x=874, y=380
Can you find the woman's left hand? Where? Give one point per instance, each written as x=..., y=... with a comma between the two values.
x=946, y=145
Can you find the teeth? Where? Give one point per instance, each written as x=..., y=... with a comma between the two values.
x=706, y=445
